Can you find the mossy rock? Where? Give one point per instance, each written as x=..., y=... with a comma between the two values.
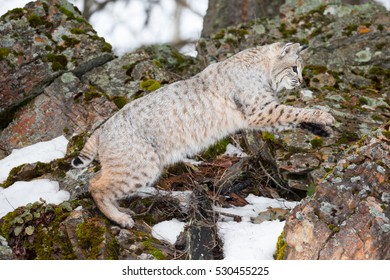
x=120, y=101
x=33, y=231
x=26, y=172
x=281, y=247
x=216, y=149
x=76, y=144
x=4, y=52
x=149, y=85
x=95, y=240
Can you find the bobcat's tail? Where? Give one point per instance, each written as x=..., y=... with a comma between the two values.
x=88, y=153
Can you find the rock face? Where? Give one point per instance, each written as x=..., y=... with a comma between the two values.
x=40, y=42
x=58, y=77
x=50, y=74
x=349, y=215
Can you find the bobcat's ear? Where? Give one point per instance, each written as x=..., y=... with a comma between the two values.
x=302, y=49
x=290, y=48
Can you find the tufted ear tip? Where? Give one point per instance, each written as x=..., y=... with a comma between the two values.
x=302, y=49
x=289, y=48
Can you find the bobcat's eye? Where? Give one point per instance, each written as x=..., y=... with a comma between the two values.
x=295, y=69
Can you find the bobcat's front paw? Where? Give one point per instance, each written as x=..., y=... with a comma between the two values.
x=319, y=123
x=316, y=129
x=322, y=118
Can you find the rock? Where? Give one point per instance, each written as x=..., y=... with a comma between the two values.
x=124, y=76
x=271, y=215
x=348, y=217
x=306, y=94
x=40, y=42
x=72, y=106
x=74, y=230
x=299, y=163
x=5, y=250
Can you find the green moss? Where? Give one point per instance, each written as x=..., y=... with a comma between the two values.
x=15, y=14
x=219, y=35
x=315, y=69
x=239, y=32
x=216, y=149
x=59, y=62
x=334, y=228
x=70, y=41
x=120, y=101
x=281, y=247
x=316, y=80
x=363, y=100
x=286, y=32
x=361, y=140
x=90, y=236
x=34, y=231
x=88, y=96
x=169, y=58
x=349, y=29
x=158, y=254
x=69, y=14
x=77, y=31
x=107, y=47
x=316, y=32
x=376, y=117
x=329, y=88
x=316, y=142
x=4, y=52
x=150, y=85
x=35, y=20
x=31, y=171
x=311, y=190
x=380, y=27
x=379, y=71
x=268, y=136
x=75, y=145
x=7, y=223
x=386, y=133
x=11, y=176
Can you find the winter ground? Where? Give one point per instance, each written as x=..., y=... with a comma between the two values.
x=242, y=240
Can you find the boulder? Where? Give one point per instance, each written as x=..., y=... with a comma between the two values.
x=348, y=217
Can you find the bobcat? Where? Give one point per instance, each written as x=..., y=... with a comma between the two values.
x=187, y=116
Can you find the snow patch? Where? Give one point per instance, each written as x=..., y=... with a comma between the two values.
x=256, y=205
x=42, y=151
x=232, y=150
x=22, y=193
x=168, y=230
x=247, y=241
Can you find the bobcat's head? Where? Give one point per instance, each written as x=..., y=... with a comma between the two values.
x=286, y=66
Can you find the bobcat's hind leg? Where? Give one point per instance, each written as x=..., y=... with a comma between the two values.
x=118, y=181
x=105, y=192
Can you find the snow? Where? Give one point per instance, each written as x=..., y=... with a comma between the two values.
x=168, y=230
x=247, y=241
x=232, y=150
x=42, y=151
x=256, y=205
x=22, y=193
x=241, y=240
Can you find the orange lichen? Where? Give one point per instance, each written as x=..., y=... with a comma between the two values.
x=363, y=29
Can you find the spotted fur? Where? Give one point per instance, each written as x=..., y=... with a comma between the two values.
x=183, y=118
